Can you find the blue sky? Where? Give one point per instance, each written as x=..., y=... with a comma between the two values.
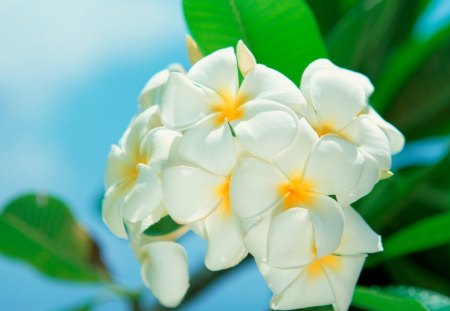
x=70, y=73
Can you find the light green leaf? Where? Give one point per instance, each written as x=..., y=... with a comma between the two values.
x=165, y=226
x=399, y=298
x=42, y=231
x=281, y=34
x=420, y=236
x=376, y=300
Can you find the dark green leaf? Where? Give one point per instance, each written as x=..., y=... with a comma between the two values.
x=165, y=226
x=403, y=64
x=365, y=36
x=42, y=231
x=281, y=34
x=423, y=235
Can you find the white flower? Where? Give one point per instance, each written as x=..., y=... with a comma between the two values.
x=200, y=198
x=132, y=182
x=327, y=280
x=289, y=199
x=164, y=267
x=211, y=106
x=152, y=91
x=337, y=105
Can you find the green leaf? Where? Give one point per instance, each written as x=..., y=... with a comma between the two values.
x=399, y=298
x=42, y=231
x=403, y=64
x=165, y=226
x=376, y=299
x=282, y=34
x=420, y=236
x=365, y=36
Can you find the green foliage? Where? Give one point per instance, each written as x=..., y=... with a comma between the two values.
x=399, y=298
x=282, y=34
x=42, y=231
x=420, y=236
x=164, y=226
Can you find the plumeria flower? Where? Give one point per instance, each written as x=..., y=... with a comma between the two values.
x=132, y=182
x=210, y=105
x=338, y=108
x=152, y=91
x=289, y=198
x=164, y=267
x=201, y=199
x=330, y=279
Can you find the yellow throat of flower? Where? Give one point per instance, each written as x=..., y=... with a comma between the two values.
x=229, y=107
x=296, y=191
x=223, y=192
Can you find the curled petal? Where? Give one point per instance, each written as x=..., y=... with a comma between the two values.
x=118, y=167
x=184, y=103
x=165, y=272
x=363, y=132
x=225, y=241
x=334, y=166
x=267, y=128
x=343, y=278
x=291, y=239
x=209, y=146
x=358, y=238
x=190, y=194
x=158, y=146
x=278, y=279
x=112, y=209
x=246, y=60
x=217, y=71
x=336, y=98
x=266, y=83
x=328, y=219
x=254, y=187
x=144, y=197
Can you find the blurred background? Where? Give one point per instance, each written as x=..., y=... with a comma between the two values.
x=70, y=74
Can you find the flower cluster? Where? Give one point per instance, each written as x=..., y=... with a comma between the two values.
x=238, y=153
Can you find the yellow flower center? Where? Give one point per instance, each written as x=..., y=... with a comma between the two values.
x=296, y=191
x=228, y=108
x=223, y=192
x=328, y=128
x=331, y=262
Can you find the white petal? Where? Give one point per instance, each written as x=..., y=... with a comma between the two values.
x=291, y=239
x=190, y=193
x=396, y=138
x=306, y=291
x=118, y=167
x=152, y=91
x=138, y=128
x=269, y=84
x=256, y=239
x=336, y=98
x=144, y=197
x=246, y=60
x=225, y=241
x=193, y=51
x=363, y=132
x=112, y=209
x=343, y=278
x=293, y=159
x=358, y=237
x=334, y=166
x=278, y=279
x=157, y=146
x=254, y=187
x=267, y=128
x=165, y=272
x=209, y=146
x=184, y=103
x=369, y=177
x=328, y=220
x=217, y=71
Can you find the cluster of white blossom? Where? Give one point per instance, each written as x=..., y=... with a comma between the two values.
x=238, y=153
